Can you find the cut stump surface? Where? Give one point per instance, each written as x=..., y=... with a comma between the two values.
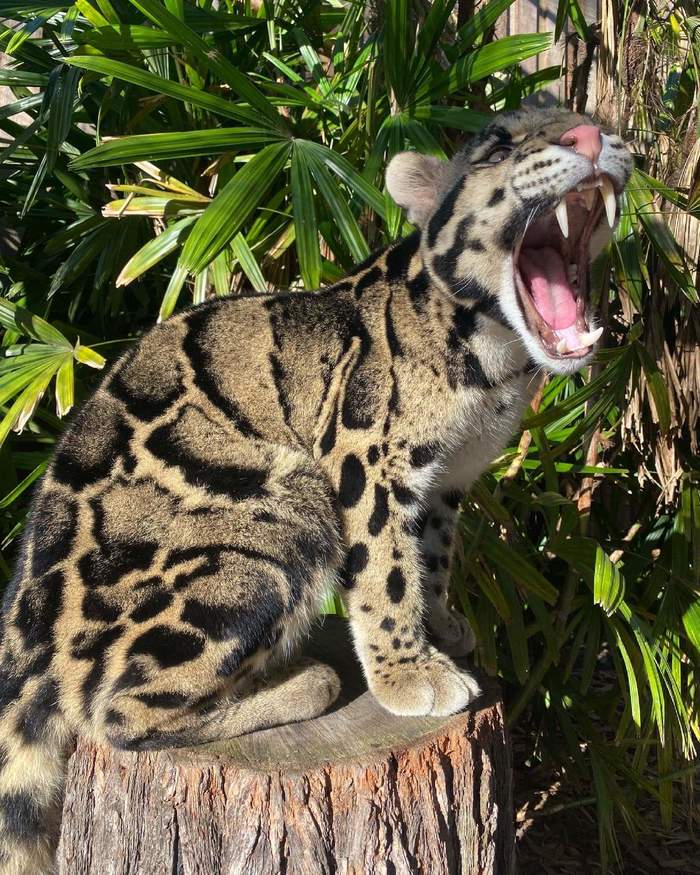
x=355, y=791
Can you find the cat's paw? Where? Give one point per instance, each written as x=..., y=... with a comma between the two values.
x=432, y=686
x=451, y=632
x=309, y=687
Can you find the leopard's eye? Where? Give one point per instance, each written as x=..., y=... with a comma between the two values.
x=499, y=154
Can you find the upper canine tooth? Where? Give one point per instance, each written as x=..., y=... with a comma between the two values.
x=562, y=217
x=588, y=338
x=608, y=194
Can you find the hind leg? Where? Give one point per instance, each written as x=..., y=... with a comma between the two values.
x=299, y=692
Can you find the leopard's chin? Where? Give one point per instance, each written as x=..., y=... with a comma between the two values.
x=551, y=270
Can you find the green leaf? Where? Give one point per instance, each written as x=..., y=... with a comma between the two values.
x=87, y=356
x=338, y=207
x=691, y=623
x=224, y=217
x=656, y=385
x=304, y=212
x=608, y=583
x=212, y=58
x=25, y=78
x=151, y=82
x=162, y=147
x=9, y=499
x=248, y=262
x=523, y=572
x=154, y=251
x=65, y=388
x=18, y=319
x=481, y=21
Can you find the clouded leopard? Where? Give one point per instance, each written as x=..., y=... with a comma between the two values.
x=252, y=452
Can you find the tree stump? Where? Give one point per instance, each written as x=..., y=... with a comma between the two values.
x=355, y=791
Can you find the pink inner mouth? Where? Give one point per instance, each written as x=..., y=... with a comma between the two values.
x=545, y=274
x=551, y=277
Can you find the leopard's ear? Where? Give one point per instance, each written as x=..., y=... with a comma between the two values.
x=414, y=181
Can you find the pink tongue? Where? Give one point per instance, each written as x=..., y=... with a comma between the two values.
x=544, y=273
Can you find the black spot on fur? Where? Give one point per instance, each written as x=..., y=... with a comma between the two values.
x=106, y=565
x=402, y=493
x=474, y=374
x=54, y=523
x=163, y=700
x=134, y=675
x=11, y=683
x=151, y=606
x=444, y=212
x=72, y=466
x=234, y=481
x=196, y=346
x=23, y=819
x=396, y=585
x=373, y=454
x=418, y=291
x=209, y=562
x=388, y=624
x=352, y=481
x=145, y=404
x=32, y=723
x=355, y=562
x=423, y=454
x=279, y=376
x=38, y=608
x=328, y=440
x=380, y=512
x=369, y=279
x=95, y=607
x=114, y=718
x=168, y=646
x=392, y=340
x=399, y=257
x=445, y=264
x=231, y=663
x=358, y=404
x=95, y=647
x=496, y=197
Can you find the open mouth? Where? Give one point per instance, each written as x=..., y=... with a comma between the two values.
x=552, y=265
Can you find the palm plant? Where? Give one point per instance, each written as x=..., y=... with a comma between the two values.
x=172, y=150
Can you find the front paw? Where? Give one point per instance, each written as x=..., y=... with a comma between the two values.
x=431, y=686
x=451, y=632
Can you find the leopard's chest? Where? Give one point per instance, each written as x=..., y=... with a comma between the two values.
x=486, y=426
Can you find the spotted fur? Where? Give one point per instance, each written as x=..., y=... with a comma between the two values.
x=251, y=453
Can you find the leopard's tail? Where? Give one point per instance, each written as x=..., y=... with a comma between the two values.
x=34, y=740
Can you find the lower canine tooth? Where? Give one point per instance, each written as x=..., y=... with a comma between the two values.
x=562, y=217
x=588, y=338
x=562, y=346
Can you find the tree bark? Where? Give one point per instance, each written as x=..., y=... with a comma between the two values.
x=353, y=792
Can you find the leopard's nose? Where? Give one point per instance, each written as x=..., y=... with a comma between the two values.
x=585, y=140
